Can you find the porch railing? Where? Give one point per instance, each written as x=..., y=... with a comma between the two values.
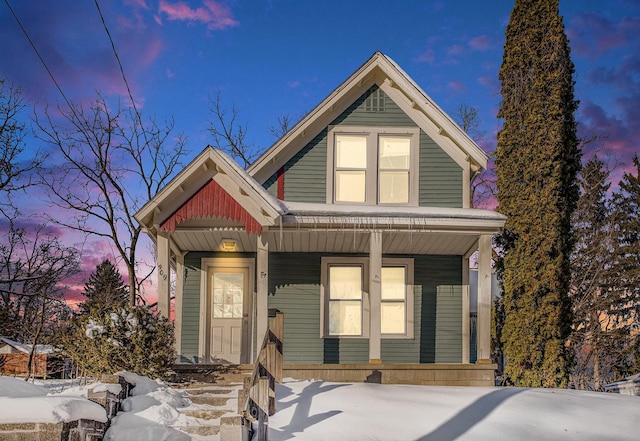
x=260, y=392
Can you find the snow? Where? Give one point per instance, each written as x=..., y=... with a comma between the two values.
x=316, y=410
x=40, y=349
x=21, y=402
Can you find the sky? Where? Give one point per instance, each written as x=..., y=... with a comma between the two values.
x=274, y=58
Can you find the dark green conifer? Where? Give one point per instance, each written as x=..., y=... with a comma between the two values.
x=104, y=290
x=537, y=160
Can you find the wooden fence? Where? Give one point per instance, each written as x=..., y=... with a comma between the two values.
x=261, y=390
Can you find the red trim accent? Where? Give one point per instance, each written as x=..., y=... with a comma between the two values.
x=281, y=183
x=211, y=201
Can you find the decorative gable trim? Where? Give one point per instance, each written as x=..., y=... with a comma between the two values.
x=212, y=185
x=211, y=201
x=384, y=72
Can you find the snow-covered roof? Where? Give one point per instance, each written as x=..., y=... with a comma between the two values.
x=303, y=213
x=26, y=348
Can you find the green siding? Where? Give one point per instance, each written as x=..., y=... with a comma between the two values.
x=305, y=175
x=441, y=180
x=294, y=289
x=190, y=335
x=356, y=115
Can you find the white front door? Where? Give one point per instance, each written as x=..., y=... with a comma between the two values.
x=228, y=314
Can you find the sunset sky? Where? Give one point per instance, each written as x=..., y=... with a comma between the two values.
x=275, y=58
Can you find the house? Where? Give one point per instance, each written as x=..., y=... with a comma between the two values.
x=14, y=359
x=357, y=225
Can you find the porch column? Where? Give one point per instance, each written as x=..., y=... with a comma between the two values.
x=163, y=269
x=484, y=299
x=465, y=311
x=262, y=287
x=178, y=302
x=375, y=294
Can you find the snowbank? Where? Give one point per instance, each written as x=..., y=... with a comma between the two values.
x=316, y=410
x=22, y=402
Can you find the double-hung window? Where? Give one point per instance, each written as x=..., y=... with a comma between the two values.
x=373, y=165
x=345, y=299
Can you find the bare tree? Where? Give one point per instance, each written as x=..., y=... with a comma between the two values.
x=15, y=172
x=228, y=133
x=112, y=163
x=283, y=124
x=33, y=265
x=483, y=184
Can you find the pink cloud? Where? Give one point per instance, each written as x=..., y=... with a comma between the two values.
x=456, y=49
x=481, y=43
x=215, y=15
x=427, y=56
x=456, y=86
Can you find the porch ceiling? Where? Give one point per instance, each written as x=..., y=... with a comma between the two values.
x=329, y=241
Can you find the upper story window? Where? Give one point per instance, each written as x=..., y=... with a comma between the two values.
x=373, y=165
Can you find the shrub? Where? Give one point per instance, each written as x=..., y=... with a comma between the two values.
x=127, y=338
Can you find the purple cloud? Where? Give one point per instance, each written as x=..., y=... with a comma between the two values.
x=480, y=43
x=214, y=14
x=591, y=34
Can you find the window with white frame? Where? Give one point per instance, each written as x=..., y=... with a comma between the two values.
x=373, y=165
x=345, y=300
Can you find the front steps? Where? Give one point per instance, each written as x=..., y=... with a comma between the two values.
x=214, y=412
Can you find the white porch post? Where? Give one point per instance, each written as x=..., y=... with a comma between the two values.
x=163, y=268
x=484, y=299
x=375, y=294
x=465, y=310
x=178, y=302
x=262, y=287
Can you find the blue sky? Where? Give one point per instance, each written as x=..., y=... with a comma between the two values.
x=279, y=57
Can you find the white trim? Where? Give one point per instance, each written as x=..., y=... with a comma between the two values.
x=367, y=314
x=324, y=297
x=178, y=303
x=373, y=134
x=381, y=70
x=225, y=262
x=408, y=263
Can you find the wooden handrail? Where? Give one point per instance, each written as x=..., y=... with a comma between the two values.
x=261, y=397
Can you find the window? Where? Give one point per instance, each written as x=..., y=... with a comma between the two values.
x=393, y=301
x=345, y=300
x=351, y=168
x=345, y=311
x=373, y=165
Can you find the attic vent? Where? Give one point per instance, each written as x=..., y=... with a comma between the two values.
x=374, y=100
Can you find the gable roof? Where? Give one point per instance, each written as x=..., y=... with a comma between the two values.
x=384, y=72
x=190, y=195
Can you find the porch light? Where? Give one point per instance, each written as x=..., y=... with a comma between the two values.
x=228, y=245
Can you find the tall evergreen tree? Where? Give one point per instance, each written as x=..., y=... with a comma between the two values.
x=626, y=272
x=592, y=338
x=537, y=160
x=104, y=290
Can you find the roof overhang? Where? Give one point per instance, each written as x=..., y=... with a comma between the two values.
x=384, y=72
x=214, y=170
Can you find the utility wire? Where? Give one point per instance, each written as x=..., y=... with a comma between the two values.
x=26, y=34
x=124, y=77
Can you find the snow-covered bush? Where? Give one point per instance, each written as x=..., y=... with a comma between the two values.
x=125, y=338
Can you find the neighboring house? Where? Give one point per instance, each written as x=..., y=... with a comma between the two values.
x=357, y=225
x=14, y=358
x=626, y=386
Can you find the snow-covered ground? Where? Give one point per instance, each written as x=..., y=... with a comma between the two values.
x=316, y=410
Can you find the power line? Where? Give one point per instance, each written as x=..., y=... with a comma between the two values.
x=33, y=46
x=124, y=77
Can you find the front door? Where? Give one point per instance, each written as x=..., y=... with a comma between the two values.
x=228, y=294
